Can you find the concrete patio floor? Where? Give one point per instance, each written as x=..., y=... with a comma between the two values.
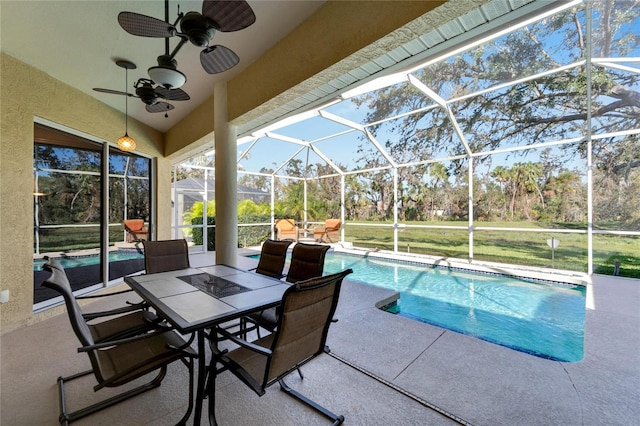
x=382, y=369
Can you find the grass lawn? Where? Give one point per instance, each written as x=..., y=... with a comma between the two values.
x=514, y=247
x=503, y=246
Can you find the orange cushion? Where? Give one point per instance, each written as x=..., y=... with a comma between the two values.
x=134, y=224
x=333, y=224
x=285, y=225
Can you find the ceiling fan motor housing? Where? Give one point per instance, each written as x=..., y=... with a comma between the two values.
x=198, y=28
x=147, y=93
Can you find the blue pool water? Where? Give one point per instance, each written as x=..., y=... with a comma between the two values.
x=542, y=319
x=70, y=261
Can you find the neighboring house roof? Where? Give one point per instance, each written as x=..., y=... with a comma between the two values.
x=195, y=184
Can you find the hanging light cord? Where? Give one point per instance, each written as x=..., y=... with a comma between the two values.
x=126, y=102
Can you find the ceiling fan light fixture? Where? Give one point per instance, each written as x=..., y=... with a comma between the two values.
x=126, y=143
x=170, y=78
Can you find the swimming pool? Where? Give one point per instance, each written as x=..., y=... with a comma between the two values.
x=72, y=261
x=542, y=319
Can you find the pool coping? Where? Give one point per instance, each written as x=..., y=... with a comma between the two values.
x=555, y=276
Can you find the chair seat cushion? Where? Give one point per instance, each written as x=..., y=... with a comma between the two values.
x=112, y=328
x=126, y=362
x=251, y=361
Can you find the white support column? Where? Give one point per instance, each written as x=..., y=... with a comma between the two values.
x=304, y=206
x=273, y=206
x=175, y=205
x=226, y=179
x=104, y=247
x=205, y=211
x=589, y=142
x=395, y=209
x=470, y=209
x=342, y=209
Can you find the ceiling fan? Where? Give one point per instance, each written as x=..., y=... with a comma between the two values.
x=197, y=28
x=146, y=91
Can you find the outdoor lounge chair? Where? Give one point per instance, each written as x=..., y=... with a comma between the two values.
x=330, y=233
x=304, y=314
x=136, y=231
x=286, y=229
x=117, y=362
x=165, y=255
x=307, y=261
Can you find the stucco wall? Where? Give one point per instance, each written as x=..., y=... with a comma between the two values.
x=26, y=93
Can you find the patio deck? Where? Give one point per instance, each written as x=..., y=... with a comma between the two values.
x=443, y=377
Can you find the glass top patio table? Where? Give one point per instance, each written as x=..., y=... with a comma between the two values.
x=191, y=308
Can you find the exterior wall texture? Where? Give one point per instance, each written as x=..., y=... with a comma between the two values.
x=27, y=93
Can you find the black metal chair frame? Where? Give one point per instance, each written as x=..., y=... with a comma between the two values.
x=307, y=261
x=118, y=327
x=269, y=348
x=65, y=417
x=174, y=348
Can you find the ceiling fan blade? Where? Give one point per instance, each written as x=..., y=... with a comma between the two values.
x=216, y=59
x=159, y=107
x=172, y=94
x=145, y=26
x=113, y=92
x=229, y=15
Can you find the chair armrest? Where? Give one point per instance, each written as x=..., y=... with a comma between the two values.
x=111, y=343
x=95, y=296
x=117, y=311
x=248, y=345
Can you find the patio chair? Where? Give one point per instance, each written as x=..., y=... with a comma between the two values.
x=330, y=233
x=286, y=229
x=126, y=321
x=165, y=255
x=307, y=261
x=117, y=362
x=304, y=314
x=272, y=258
x=136, y=231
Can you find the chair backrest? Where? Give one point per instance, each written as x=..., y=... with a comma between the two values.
x=285, y=225
x=59, y=282
x=134, y=224
x=272, y=258
x=304, y=317
x=307, y=261
x=332, y=224
x=165, y=255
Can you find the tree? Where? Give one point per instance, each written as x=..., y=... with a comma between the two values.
x=499, y=115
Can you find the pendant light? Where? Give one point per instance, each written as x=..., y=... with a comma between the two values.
x=126, y=142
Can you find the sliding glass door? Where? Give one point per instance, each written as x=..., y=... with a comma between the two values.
x=71, y=175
